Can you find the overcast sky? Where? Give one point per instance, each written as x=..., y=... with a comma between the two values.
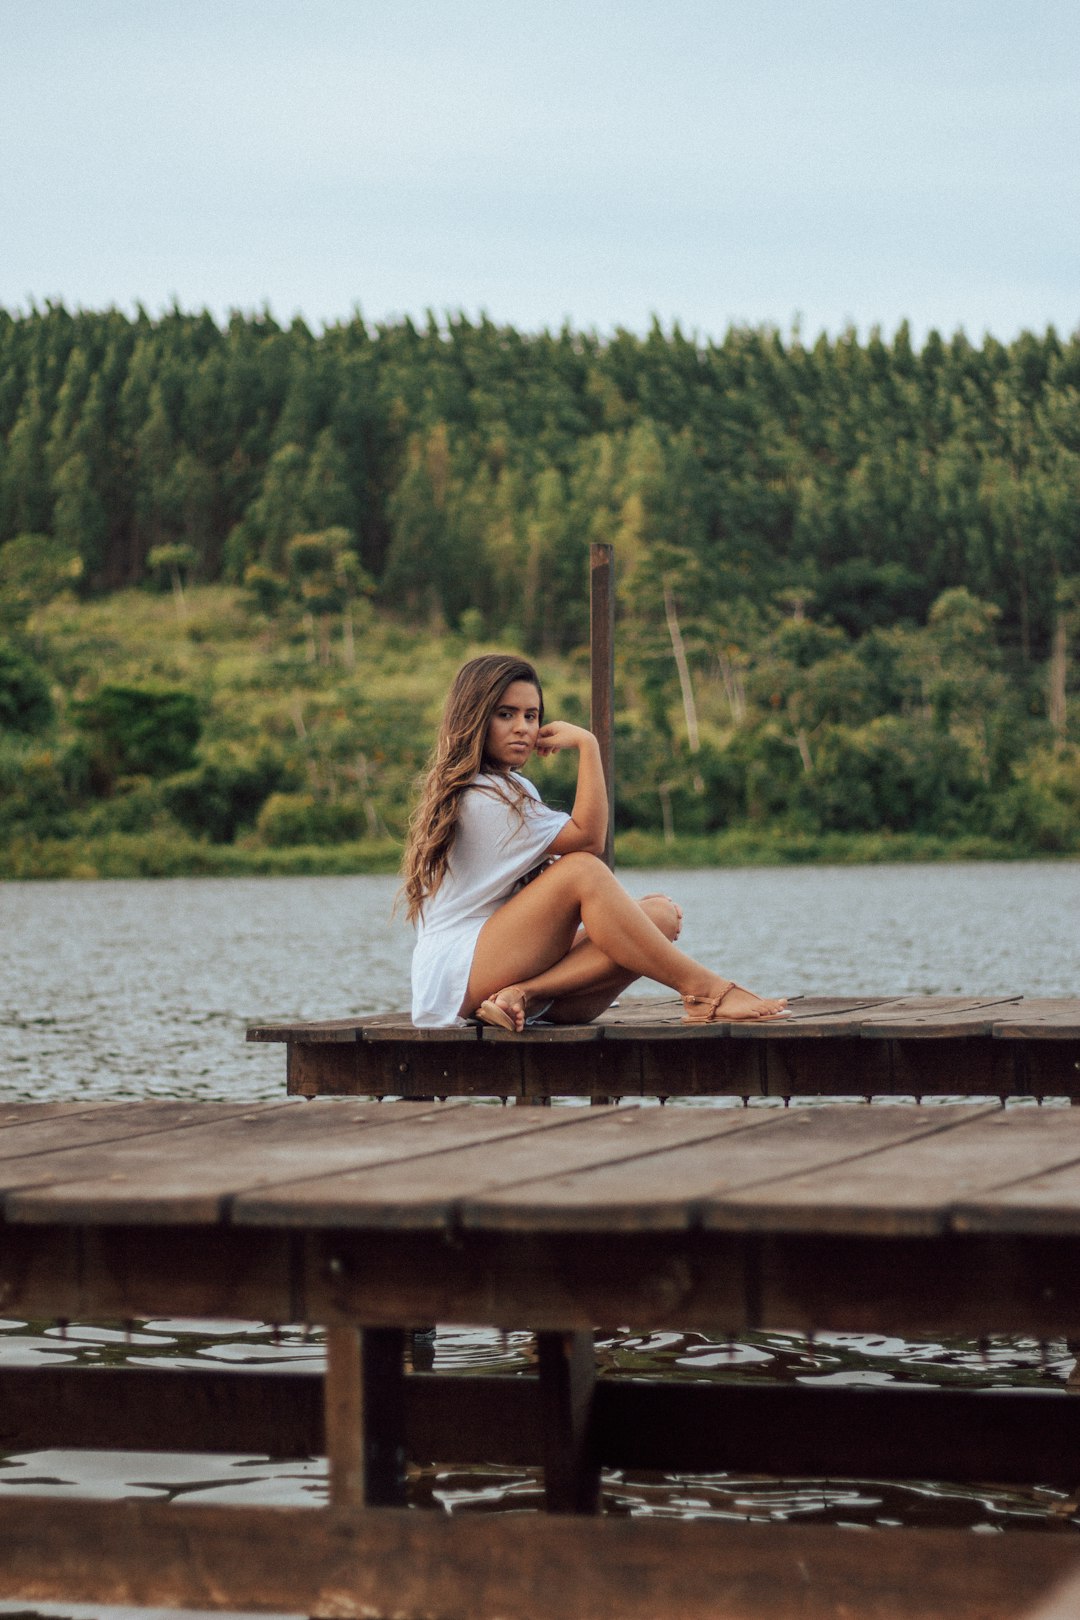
x=833, y=162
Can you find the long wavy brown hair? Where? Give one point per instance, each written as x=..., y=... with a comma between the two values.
x=455, y=763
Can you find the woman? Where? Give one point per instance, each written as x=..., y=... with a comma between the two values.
x=506, y=933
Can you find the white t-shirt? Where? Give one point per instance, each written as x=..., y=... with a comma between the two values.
x=494, y=847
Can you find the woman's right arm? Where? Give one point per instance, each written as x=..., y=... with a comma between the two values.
x=588, y=824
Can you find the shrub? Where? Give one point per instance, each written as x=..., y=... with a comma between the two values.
x=222, y=796
x=26, y=704
x=139, y=731
x=290, y=819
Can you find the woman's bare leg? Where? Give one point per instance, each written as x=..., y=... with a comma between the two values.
x=536, y=929
x=586, y=981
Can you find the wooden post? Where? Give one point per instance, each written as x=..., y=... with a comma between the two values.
x=602, y=657
x=365, y=1416
x=567, y=1366
x=344, y=1418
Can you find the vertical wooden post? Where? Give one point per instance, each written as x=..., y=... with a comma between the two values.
x=602, y=655
x=344, y=1405
x=567, y=1366
x=365, y=1416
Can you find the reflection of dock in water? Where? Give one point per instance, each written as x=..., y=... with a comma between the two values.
x=840, y=1046
x=366, y=1218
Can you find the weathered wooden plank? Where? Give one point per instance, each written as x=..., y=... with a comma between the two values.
x=430, y=1192
x=211, y=1409
x=414, y=1069
x=391, y=1562
x=409, y=1033
x=513, y=1280
x=14, y=1115
x=543, y=1035
x=1047, y=1202
x=971, y=1284
x=26, y=1129
x=807, y=1432
x=314, y=1033
x=791, y=1431
x=975, y=1016
x=205, y=1168
x=126, y=1272
x=914, y=1187
x=1040, y=1019
x=815, y=1017
x=669, y=1187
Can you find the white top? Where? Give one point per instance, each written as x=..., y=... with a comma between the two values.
x=494, y=847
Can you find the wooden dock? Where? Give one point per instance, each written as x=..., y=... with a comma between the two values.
x=848, y=1046
x=364, y=1218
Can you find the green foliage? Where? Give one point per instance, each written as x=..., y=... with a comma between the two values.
x=139, y=730
x=222, y=796
x=33, y=791
x=25, y=700
x=33, y=569
x=289, y=819
x=472, y=465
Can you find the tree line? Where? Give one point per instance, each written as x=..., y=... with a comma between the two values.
x=849, y=570
x=469, y=464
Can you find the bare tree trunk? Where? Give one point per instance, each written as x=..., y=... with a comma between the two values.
x=178, y=595
x=664, y=791
x=679, y=651
x=734, y=688
x=1059, y=658
x=348, y=644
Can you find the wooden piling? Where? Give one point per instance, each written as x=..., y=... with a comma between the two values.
x=602, y=658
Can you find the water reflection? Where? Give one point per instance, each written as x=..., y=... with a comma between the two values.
x=831, y=1358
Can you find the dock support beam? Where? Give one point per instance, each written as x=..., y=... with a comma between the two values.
x=602, y=658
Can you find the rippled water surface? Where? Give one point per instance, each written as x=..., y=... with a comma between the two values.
x=136, y=989
x=143, y=989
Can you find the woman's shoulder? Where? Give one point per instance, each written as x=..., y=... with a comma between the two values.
x=495, y=790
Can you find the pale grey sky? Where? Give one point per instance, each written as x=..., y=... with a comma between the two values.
x=839, y=161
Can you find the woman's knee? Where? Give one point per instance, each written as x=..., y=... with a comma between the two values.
x=664, y=913
x=580, y=870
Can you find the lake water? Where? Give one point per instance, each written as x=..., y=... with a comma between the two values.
x=143, y=989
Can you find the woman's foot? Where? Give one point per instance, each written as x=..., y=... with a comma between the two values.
x=730, y=1004
x=506, y=1009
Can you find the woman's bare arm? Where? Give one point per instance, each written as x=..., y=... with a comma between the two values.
x=588, y=824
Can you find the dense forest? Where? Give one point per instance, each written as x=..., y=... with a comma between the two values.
x=849, y=571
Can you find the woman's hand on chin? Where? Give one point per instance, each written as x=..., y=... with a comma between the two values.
x=559, y=735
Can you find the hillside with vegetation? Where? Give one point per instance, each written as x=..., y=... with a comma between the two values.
x=239, y=565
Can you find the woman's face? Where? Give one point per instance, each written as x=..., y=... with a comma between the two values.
x=512, y=729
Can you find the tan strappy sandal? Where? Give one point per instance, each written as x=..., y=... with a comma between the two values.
x=706, y=1009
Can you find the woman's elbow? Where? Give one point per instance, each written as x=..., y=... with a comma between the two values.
x=575, y=840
